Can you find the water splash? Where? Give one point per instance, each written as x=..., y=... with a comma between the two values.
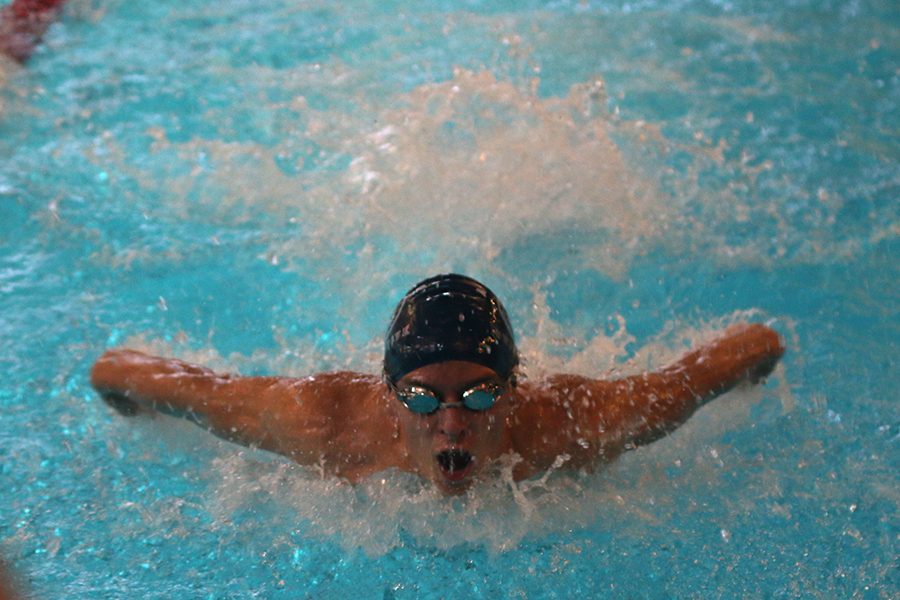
x=388, y=509
x=470, y=164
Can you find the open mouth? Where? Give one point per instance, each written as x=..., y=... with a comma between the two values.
x=455, y=464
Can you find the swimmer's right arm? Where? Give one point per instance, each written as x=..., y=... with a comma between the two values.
x=278, y=414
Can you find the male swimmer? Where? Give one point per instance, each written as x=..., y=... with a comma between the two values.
x=447, y=404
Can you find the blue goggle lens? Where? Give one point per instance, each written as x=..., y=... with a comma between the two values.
x=421, y=404
x=479, y=399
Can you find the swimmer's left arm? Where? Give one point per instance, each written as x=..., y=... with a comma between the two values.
x=590, y=420
x=641, y=409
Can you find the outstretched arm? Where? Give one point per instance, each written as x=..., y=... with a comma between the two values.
x=287, y=416
x=648, y=406
x=594, y=421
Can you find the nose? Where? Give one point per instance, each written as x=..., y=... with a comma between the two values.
x=453, y=422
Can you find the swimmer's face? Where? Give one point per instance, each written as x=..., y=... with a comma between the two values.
x=452, y=445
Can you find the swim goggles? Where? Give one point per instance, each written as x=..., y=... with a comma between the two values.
x=423, y=401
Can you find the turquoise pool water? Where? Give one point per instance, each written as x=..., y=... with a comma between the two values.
x=254, y=185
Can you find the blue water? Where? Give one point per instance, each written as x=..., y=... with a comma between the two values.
x=254, y=186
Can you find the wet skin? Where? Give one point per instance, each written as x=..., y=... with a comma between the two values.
x=452, y=445
x=352, y=425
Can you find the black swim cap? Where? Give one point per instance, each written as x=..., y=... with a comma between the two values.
x=449, y=317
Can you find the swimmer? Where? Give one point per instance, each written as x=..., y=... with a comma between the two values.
x=22, y=25
x=448, y=403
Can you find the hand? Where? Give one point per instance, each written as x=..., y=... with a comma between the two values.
x=122, y=404
x=759, y=373
x=759, y=342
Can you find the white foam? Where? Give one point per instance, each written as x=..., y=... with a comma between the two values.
x=468, y=164
x=449, y=175
x=382, y=512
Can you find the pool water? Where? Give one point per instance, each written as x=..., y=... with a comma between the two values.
x=253, y=186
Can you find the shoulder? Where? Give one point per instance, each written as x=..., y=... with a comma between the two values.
x=558, y=415
x=337, y=393
x=337, y=382
x=561, y=393
x=328, y=417
x=536, y=422
x=354, y=411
